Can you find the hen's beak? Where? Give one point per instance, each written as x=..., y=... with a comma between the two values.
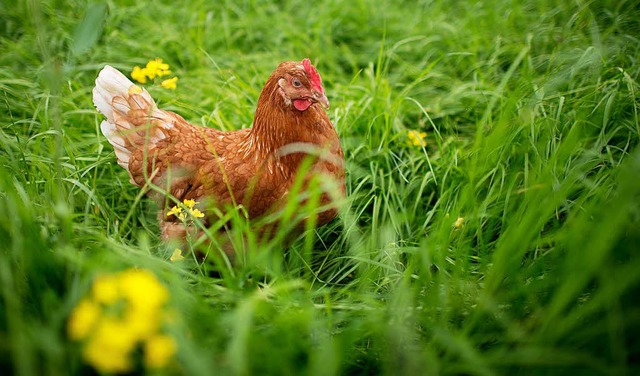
x=321, y=98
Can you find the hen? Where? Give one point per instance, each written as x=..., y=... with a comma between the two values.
x=254, y=167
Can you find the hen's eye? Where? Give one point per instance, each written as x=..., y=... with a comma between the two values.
x=296, y=82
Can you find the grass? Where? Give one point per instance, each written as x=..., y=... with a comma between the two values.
x=531, y=114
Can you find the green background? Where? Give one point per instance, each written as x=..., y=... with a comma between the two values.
x=531, y=115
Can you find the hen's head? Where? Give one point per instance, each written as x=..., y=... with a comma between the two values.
x=300, y=85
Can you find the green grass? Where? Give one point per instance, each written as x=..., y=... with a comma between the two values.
x=531, y=113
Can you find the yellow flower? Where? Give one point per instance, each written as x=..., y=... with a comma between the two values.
x=105, y=289
x=459, y=223
x=151, y=69
x=154, y=68
x=170, y=83
x=190, y=203
x=83, y=318
x=162, y=73
x=109, y=347
x=177, y=211
x=112, y=360
x=417, y=138
x=196, y=213
x=176, y=255
x=142, y=289
x=141, y=322
x=157, y=68
x=158, y=350
x=139, y=74
x=123, y=312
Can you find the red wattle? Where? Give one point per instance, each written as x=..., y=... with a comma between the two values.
x=301, y=104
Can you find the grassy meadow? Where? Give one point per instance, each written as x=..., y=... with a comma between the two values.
x=492, y=224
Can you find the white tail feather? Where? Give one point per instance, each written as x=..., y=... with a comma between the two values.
x=109, y=84
x=112, y=96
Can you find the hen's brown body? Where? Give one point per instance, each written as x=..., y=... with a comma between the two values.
x=254, y=167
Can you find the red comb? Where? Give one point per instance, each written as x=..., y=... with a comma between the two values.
x=314, y=77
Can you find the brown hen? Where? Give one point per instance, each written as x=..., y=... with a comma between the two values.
x=253, y=167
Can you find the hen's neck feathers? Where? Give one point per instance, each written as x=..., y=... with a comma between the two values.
x=277, y=124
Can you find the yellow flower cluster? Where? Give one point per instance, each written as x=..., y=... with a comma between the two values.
x=154, y=68
x=182, y=214
x=123, y=312
x=417, y=138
